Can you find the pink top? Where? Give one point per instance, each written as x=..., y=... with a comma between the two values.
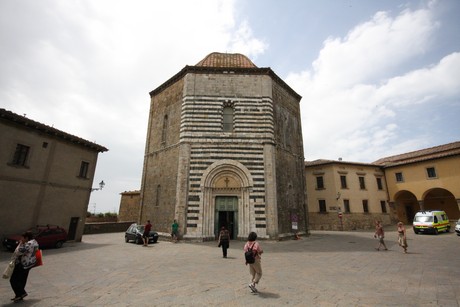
x=255, y=248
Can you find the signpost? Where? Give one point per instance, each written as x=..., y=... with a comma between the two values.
x=340, y=219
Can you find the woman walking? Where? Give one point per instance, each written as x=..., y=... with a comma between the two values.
x=224, y=240
x=402, y=241
x=380, y=235
x=255, y=269
x=25, y=260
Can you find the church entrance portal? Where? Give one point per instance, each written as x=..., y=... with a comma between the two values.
x=226, y=215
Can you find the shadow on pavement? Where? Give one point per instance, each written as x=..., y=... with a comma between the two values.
x=268, y=295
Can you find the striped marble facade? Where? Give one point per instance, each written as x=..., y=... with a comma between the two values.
x=207, y=168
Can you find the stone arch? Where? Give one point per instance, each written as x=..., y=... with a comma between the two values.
x=441, y=199
x=406, y=205
x=226, y=178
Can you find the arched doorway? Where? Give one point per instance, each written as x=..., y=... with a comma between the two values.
x=406, y=205
x=226, y=189
x=226, y=214
x=441, y=199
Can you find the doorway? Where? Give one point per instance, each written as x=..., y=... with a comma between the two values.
x=226, y=219
x=409, y=214
x=73, y=228
x=226, y=215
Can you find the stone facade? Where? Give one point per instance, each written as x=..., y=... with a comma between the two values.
x=46, y=176
x=129, y=206
x=224, y=148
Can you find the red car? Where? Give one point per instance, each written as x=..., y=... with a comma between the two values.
x=46, y=236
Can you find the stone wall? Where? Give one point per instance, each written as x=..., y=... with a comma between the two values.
x=93, y=228
x=158, y=196
x=354, y=221
x=290, y=177
x=129, y=206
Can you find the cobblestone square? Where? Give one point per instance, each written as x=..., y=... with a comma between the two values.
x=324, y=269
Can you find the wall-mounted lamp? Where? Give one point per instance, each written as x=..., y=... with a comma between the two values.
x=101, y=186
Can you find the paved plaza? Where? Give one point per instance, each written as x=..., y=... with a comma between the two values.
x=324, y=269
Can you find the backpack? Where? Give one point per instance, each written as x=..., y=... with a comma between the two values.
x=249, y=255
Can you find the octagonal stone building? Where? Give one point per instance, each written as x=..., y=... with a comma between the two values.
x=224, y=148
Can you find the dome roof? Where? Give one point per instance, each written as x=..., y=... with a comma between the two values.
x=233, y=60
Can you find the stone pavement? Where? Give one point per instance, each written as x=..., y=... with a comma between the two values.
x=325, y=269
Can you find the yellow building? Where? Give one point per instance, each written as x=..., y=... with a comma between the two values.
x=346, y=195
x=427, y=179
x=390, y=189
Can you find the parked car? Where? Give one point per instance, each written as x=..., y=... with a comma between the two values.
x=135, y=232
x=457, y=227
x=47, y=236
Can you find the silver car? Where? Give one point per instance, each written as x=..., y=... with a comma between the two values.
x=457, y=228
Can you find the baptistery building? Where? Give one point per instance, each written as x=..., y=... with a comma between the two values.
x=224, y=148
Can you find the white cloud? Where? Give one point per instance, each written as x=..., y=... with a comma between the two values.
x=424, y=85
x=87, y=67
x=373, y=49
x=354, y=93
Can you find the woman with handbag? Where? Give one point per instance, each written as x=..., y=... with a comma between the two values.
x=25, y=260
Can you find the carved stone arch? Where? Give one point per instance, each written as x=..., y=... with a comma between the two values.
x=226, y=178
x=230, y=167
x=228, y=103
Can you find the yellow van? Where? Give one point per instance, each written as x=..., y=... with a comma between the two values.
x=431, y=222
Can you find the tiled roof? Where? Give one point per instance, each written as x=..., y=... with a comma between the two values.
x=442, y=151
x=233, y=60
x=325, y=162
x=11, y=117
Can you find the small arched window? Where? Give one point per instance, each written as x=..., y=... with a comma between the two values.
x=228, y=119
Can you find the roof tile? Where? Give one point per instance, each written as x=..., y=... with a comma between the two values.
x=231, y=60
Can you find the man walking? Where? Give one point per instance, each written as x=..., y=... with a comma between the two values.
x=146, y=234
x=175, y=231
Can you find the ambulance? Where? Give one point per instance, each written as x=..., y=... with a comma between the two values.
x=431, y=222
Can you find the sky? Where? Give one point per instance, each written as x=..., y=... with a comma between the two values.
x=377, y=78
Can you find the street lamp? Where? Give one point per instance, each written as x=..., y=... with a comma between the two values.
x=101, y=186
x=339, y=211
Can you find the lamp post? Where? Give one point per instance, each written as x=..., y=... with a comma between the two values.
x=339, y=211
x=101, y=186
